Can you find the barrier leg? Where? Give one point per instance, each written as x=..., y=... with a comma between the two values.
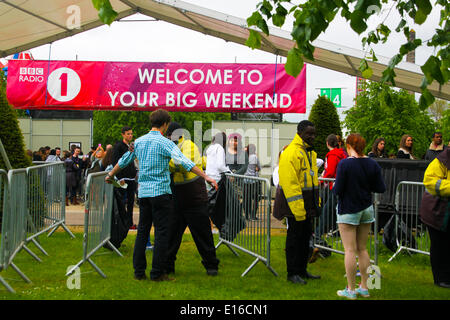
x=7, y=286
x=250, y=267
x=21, y=274
x=39, y=246
x=64, y=227
x=114, y=248
x=96, y=268
x=229, y=247
x=396, y=253
x=272, y=270
x=31, y=253
x=74, y=268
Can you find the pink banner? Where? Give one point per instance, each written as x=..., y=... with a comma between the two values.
x=198, y=87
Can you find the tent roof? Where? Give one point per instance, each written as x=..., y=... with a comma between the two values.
x=28, y=24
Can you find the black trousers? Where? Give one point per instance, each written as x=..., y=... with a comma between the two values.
x=297, y=246
x=197, y=220
x=440, y=254
x=156, y=211
x=251, y=199
x=128, y=198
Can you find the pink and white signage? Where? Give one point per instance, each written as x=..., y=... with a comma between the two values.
x=198, y=87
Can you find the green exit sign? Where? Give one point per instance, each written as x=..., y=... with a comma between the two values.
x=334, y=94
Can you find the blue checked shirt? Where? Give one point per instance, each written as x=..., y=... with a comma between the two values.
x=154, y=152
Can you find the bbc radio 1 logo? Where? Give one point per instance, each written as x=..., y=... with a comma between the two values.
x=31, y=74
x=63, y=84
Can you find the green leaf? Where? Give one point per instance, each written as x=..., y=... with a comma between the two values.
x=266, y=9
x=420, y=17
x=263, y=26
x=254, y=19
x=424, y=6
x=278, y=20
x=400, y=25
x=357, y=23
x=374, y=57
x=426, y=99
x=254, y=40
x=294, y=62
x=388, y=76
x=395, y=60
x=366, y=71
x=106, y=12
x=432, y=70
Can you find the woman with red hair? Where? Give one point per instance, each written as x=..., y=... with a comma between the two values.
x=357, y=178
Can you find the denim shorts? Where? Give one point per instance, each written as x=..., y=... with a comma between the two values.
x=364, y=216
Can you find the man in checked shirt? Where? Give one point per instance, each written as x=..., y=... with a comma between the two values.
x=154, y=152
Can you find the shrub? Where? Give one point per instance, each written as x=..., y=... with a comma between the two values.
x=326, y=120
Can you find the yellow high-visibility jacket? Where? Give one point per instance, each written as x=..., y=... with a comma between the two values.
x=295, y=175
x=437, y=179
x=435, y=209
x=190, y=150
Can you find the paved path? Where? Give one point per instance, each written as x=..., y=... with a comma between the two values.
x=75, y=217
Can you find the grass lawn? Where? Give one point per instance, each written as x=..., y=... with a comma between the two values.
x=406, y=277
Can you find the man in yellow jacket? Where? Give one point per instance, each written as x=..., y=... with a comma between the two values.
x=435, y=213
x=298, y=177
x=189, y=191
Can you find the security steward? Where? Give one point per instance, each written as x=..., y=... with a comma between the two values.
x=299, y=181
x=189, y=191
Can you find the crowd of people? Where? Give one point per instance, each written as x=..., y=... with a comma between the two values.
x=174, y=182
x=405, y=150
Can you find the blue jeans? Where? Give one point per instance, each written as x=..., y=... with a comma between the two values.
x=156, y=211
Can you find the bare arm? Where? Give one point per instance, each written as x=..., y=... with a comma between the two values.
x=110, y=176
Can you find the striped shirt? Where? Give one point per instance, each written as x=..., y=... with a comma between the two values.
x=154, y=152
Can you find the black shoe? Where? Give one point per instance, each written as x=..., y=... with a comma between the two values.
x=308, y=275
x=142, y=277
x=162, y=277
x=443, y=284
x=212, y=272
x=296, y=279
x=170, y=271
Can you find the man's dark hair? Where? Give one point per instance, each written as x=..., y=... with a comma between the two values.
x=57, y=148
x=126, y=128
x=159, y=117
x=434, y=134
x=333, y=141
x=53, y=152
x=303, y=125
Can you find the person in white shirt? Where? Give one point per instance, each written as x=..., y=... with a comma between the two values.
x=215, y=157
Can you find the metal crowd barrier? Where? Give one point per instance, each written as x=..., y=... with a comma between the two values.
x=46, y=201
x=326, y=231
x=97, y=219
x=13, y=192
x=411, y=233
x=247, y=218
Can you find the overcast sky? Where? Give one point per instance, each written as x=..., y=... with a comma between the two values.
x=162, y=42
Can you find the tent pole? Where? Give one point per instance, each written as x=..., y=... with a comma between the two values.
x=5, y=156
